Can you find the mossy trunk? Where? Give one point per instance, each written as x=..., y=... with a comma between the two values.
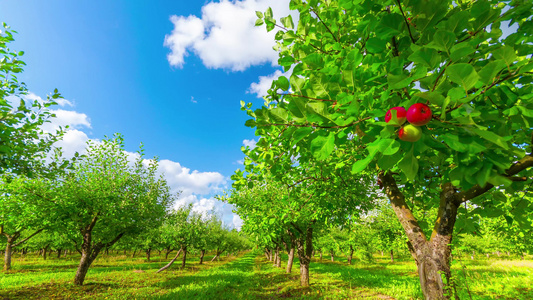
x=290, y=260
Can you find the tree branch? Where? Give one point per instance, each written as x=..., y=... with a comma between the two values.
x=24, y=240
x=477, y=190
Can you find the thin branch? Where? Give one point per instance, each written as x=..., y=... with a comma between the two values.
x=21, y=242
x=315, y=125
x=477, y=190
x=325, y=25
x=307, y=97
x=406, y=22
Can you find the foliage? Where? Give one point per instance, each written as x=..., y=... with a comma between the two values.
x=23, y=144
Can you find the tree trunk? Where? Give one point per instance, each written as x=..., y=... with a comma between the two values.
x=290, y=260
x=7, y=255
x=332, y=255
x=305, y=251
x=350, y=255
x=170, y=263
x=45, y=251
x=184, y=257
x=320, y=254
x=148, y=252
x=391, y=255
x=432, y=256
x=59, y=253
x=133, y=254
x=83, y=267
x=167, y=252
x=202, y=253
x=278, y=258
x=89, y=252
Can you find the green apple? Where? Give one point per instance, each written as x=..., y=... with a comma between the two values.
x=410, y=133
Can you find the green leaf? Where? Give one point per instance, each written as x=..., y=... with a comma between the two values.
x=426, y=56
x=488, y=73
x=376, y=45
x=300, y=133
x=409, y=165
x=433, y=97
x=461, y=51
x=283, y=83
x=279, y=114
x=505, y=53
x=492, y=137
x=322, y=146
x=287, y=22
x=463, y=74
x=259, y=14
x=443, y=40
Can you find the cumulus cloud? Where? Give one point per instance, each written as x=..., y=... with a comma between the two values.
x=196, y=187
x=63, y=118
x=225, y=35
x=261, y=88
x=249, y=143
x=191, y=182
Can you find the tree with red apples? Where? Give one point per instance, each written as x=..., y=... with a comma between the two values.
x=468, y=89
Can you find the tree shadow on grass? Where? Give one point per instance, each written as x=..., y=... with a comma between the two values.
x=234, y=280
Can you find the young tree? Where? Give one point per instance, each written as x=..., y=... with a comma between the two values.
x=351, y=61
x=106, y=196
x=23, y=214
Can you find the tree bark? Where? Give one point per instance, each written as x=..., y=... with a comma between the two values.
x=278, y=258
x=170, y=263
x=350, y=255
x=89, y=252
x=148, y=252
x=11, y=239
x=59, y=253
x=290, y=260
x=184, y=257
x=7, y=255
x=332, y=255
x=45, y=251
x=202, y=253
x=432, y=256
x=305, y=252
x=391, y=255
x=167, y=252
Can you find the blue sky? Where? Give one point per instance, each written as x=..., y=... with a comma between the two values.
x=169, y=74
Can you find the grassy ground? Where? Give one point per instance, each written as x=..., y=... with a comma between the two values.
x=249, y=276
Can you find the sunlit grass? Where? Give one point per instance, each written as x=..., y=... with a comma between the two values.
x=251, y=276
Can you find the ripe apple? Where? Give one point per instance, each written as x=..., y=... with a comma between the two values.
x=400, y=116
x=419, y=114
x=410, y=133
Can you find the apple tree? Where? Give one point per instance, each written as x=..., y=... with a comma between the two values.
x=23, y=144
x=106, y=196
x=349, y=61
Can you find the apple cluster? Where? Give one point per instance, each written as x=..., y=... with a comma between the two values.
x=419, y=114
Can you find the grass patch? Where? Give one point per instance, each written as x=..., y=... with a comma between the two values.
x=251, y=276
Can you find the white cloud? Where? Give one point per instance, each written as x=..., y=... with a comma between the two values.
x=261, y=88
x=61, y=102
x=249, y=143
x=73, y=119
x=73, y=141
x=196, y=187
x=225, y=36
x=191, y=182
x=237, y=222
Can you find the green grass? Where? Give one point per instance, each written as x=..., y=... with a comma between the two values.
x=251, y=276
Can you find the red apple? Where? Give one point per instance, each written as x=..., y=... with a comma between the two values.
x=419, y=114
x=400, y=116
x=410, y=133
